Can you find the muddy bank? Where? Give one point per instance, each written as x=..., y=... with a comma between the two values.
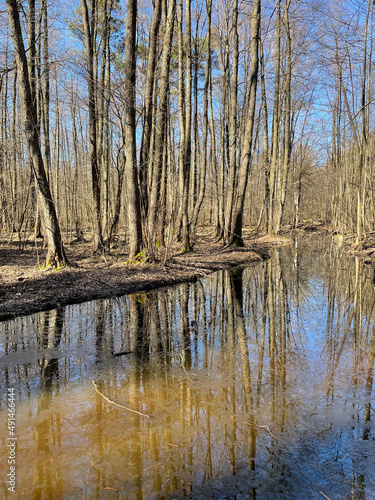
x=27, y=289
x=366, y=253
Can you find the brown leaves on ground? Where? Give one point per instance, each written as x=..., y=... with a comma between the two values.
x=25, y=288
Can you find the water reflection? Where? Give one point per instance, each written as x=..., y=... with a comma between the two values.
x=253, y=383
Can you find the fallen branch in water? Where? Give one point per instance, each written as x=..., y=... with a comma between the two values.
x=123, y=353
x=262, y=427
x=116, y=404
x=325, y=496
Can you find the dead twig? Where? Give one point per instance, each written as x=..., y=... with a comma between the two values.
x=116, y=404
x=262, y=427
x=123, y=353
x=325, y=496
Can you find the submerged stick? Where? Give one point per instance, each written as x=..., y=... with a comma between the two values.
x=116, y=404
x=123, y=353
x=261, y=427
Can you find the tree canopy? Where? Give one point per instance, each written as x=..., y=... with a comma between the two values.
x=151, y=118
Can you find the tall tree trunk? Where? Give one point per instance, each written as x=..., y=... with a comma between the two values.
x=363, y=152
x=275, y=138
x=103, y=100
x=202, y=181
x=46, y=99
x=89, y=30
x=233, y=103
x=133, y=197
x=244, y=168
x=31, y=39
x=55, y=249
x=14, y=151
x=120, y=167
x=32, y=66
x=266, y=155
x=161, y=120
x=186, y=146
x=148, y=104
x=287, y=121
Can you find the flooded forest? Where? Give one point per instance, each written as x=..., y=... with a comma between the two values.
x=255, y=382
x=155, y=143
x=137, y=121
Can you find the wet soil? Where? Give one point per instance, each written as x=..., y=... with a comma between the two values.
x=26, y=288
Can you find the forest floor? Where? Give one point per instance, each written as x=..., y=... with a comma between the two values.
x=26, y=288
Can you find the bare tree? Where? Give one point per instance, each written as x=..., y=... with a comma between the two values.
x=133, y=197
x=148, y=103
x=89, y=25
x=55, y=249
x=161, y=122
x=243, y=173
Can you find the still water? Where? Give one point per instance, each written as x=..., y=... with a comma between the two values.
x=253, y=383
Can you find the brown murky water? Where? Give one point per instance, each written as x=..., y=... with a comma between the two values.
x=253, y=383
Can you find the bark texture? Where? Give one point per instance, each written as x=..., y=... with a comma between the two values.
x=56, y=255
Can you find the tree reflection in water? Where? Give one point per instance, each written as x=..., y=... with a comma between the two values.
x=258, y=381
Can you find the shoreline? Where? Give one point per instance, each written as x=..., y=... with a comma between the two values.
x=25, y=289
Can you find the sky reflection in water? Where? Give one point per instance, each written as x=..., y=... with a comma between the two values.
x=253, y=383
